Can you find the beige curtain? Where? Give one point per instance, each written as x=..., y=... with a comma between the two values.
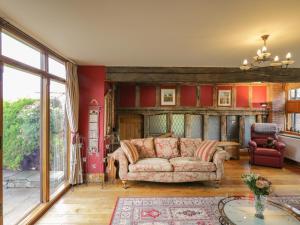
x=72, y=108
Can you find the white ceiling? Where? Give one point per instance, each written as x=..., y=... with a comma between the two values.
x=159, y=32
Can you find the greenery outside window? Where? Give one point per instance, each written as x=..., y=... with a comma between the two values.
x=35, y=126
x=21, y=144
x=58, y=134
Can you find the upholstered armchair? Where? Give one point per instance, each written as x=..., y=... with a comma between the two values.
x=264, y=147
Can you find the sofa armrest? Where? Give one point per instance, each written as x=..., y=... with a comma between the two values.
x=252, y=145
x=218, y=160
x=280, y=146
x=120, y=156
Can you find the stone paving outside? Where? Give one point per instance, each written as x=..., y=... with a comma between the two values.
x=21, y=192
x=18, y=202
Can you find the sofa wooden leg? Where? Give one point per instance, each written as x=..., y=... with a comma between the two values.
x=124, y=182
x=217, y=183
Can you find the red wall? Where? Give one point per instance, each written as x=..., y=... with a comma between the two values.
x=147, y=96
x=91, y=86
x=206, y=95
x=188, y=95
x=242, y=96
x=127, y=95
x=259, y=95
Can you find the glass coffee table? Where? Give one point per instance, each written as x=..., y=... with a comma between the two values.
x=238, y=210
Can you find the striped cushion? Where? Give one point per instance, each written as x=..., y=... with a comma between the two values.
x=130, y=151
x=206, y=150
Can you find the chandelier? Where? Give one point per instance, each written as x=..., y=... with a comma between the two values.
x=263, y=58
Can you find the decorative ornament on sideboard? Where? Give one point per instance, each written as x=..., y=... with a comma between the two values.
x=264, y=59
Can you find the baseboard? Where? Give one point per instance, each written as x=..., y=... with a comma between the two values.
x=95, y=177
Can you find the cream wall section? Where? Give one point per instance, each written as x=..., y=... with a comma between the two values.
x=160, y=33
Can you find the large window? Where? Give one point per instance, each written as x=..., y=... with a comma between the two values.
x=34, y=129
x=294, y=122
x=294, y=94
x=21, y=143
x=20, y=51
x=293, y=110
x=58, y=164
x=56, y=67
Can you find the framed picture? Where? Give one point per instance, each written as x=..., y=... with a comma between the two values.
x=168, y=96
x=224, y=98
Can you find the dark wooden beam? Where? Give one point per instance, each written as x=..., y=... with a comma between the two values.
x=200, y=75
x=191, y=110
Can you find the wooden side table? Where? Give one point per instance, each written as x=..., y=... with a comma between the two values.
x=232, y=148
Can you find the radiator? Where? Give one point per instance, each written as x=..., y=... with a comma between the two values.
x=292, y=147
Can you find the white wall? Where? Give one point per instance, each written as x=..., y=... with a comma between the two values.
x=292, y=147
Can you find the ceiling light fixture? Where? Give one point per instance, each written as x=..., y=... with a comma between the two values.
x=263, y=58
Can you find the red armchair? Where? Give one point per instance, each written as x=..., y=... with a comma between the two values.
x=264, y=148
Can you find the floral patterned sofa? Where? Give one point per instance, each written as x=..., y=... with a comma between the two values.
x=169, y=160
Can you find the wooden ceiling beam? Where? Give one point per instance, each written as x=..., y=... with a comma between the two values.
x=200, y=75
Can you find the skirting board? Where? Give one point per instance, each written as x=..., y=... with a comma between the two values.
x=95, y=177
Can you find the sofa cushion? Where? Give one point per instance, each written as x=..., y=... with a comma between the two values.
x=166, y=148
x=188, y=146
x=145, y=147
x=191, y=164
x=206, y=150
x=267, y=152
x=130, y=151
x=151, y=165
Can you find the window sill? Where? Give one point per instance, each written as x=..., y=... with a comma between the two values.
x=290, y=134
x=41, y=209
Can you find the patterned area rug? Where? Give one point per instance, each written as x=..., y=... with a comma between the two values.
x=173, y=210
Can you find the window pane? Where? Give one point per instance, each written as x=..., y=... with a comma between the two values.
x=292, y=94
x=157, y=124
x=214, y=127
x=178, y=125
x=58, y=126
x=298, y=93
x=21, y=144
x=249, y=120
x=196, y=126
x=56, y=68
x=297, y=121
x=232, y=127
x=19, y=51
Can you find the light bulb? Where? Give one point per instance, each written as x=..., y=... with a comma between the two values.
x=276, y=59
x=264, y=49
x=245, y=62
x=258, y=52
x=288, y=56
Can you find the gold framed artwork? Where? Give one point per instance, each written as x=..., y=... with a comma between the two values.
x=224, y=98
x=168, y=96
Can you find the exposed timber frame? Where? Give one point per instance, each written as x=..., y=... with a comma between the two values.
x=200, y=75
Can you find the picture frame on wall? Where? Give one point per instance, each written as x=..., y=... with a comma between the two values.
x=224, y=98
x=168, y=96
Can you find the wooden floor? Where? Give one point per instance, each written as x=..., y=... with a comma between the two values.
x=91, y=205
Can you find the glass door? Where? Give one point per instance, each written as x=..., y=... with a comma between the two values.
x=33, y=126
x=21, y=144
